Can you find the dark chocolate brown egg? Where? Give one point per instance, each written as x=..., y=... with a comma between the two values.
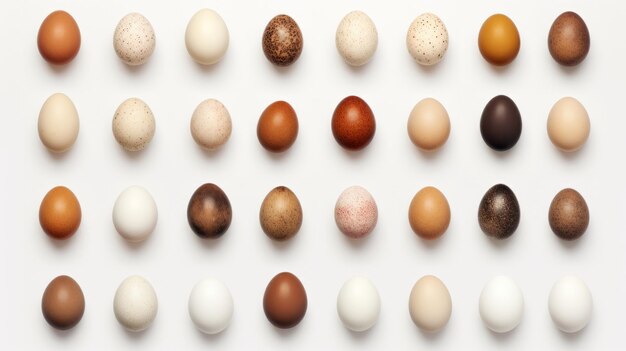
x=353, y=123
x=60, y=213
x=281, y=214
x=282, y=41
x=499, y=212
x=209, y=212
x=58, y=39
x=63, y=303
x=501, y=123
x=568, y=40
x=568, y=215
x=285, y=301
x=277, y=129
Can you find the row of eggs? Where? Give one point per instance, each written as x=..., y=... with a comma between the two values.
x=353, y=124
x=285, y=302
x=209, y=213
x=207, y=39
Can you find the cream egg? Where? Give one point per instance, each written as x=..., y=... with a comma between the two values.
x=568, y=124
x=427, y=39
x=428, y=125
x=356, y=38
x=501, y=304
x=206, y=37
x=133, y=125
x=58, y=123
x=430, y=304
x=210, y=306
x=570, y=304
x=134, y=40
x=135, y=304
x=358, y=304
x=211, y=124
x=356, y=213
x=135, y=214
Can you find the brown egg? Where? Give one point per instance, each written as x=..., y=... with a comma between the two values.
x=63, y=303
x=353, y=123
x=59, y=38
x=568, y=40
x=499, y=212
x=429, y=213
x=568, y=215
x=285, y=301
x=281, y=214
x=277, y=129
x=499, y=40
x=282, y=41
x=59, y=213
x=209, y=212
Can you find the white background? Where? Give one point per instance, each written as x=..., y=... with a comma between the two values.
x=316, y=169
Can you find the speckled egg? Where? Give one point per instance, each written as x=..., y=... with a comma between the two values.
x=281, y=214
x=211, y=124
x=499, y=212
x=133, y=125
x=282, y=41
x=427, y=39
x=135, y=304
x=568, y=40
x=356, y=213
x=356, y=38
x=134, y=39
x=569, y=215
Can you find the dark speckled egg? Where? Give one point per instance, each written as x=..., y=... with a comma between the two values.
x=353, y=123
x=568, y=215
x=209, y=212
x=499, y=212
x=568, y=40
x=501, y=123
x=282, y=41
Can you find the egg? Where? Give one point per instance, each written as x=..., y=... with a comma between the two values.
x=499, y=212
x=281, y=214
x=59, y=213
x=58, y=123
x=63, y=303
x=282, y=41
x=134, y=39
x=358, y=304
x=353, y=123
x=568, y=125
x=428, y=125
x=135, y=214
x=285, y=301
x=499, y=40
x=356, y=38
x=427, y=39
x=133, y=125
x=501, y=304
x=211, y=125
x=277, y=128
x=210, y=306
x=58, y=39
x=209, y=212
x=356, y=213
x=135, y=304
x=568, y=39
x=570, y=304
x=429, y=213
x=430, y=304
x=568, y=215
x=501, y=123
x=206, y=37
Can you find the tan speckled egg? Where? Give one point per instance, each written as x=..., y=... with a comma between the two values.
x=427, y=39
x=134, y=39
x=356, y=38
x=429, y=125
x=281, y=214
x=211, y=125
x=133, y=124
x=568, y=124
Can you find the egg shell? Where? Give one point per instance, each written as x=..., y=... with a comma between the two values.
x=498, y=40
x=356, y=213
x=135, y=214
x=281, y=214
x=133, y=125
x=429, y=213
x=427, y=39
x=58, y=39
x=282, y=41
x=60, y=213
x=570, y=304
x=353, y=123
x=568, y=125
x=58, y=123
x=209, y=212
x=568, y=40
x=134, y=39
x=277, y=128
x=211, y=125
x=358, y=304
x=568, y=215
x=356, y=38
x=501, y=123
x=210, y=306
x=430, y=304
x=207, y=37
x=501, y=304
x=135, y=304
x=63, y=303
x=285, y=301
x=428, y=125
x=499, y=212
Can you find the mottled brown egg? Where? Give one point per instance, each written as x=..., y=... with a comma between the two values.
x=282, y=41
x=353, y=123
x=209, y=213
x=277, y=129
x=568, y=40
x=568, y=215
x=499, y=212
x=429, y=213
x=58, y=39
x=281, y=214
x=59, y=213
x=63, y=303
x=498, y=40
x=285, y=301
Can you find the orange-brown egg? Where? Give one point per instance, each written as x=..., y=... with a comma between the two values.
x=59, y=213
x=429, y=213
x=499, y=40
x=59, y=38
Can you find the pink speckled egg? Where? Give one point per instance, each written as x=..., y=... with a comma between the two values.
x=356, y=212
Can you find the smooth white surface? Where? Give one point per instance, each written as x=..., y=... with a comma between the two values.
x=570, y=304
x=135, y=214
x=358, y=304
x=210, y=306
x=317, y=169
x=501, y=304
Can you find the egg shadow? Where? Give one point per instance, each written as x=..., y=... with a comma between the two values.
x=571, y=337
x=502, y=70
x=432, y=244
x=59, y=69
x=133, y=155
x=210, y=243
x=359, y=336
x=208, y=69
x=137, y=336
x=570, y=70
x=572, y=156
x=357, y=70
x=277, y=156
x=213, y=338
x=356, y=243
x=133, y=70
x=286, y=333
x=213, y=154
x=434, y=337
x=355, y=154
x=501, y=155
x=61, y=244
x=570, y=245
x=503, y=337
x=59, y=156
x=281, y=246
x=64, y=334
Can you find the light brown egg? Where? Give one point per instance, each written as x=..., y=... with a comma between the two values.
x=428, y=125
x=59, y=213
x=281, y=214
x=430, y=304
x=429, y=213
x=568, y=124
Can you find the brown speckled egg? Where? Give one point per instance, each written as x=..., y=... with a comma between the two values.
x=568, y=40
x=429, y=213
x=281, y=214
x=209, y=213
x=568, y=215
x=499, y=212
x=58, y=40
x=282, y=41
x=134, y=39
x=59, y=213
x=63, y=303
x=499, y=40
x=277, y=129
x=353, y=123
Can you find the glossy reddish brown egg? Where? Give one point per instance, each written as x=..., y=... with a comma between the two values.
x=353, y=123
x=58, y=39
x=59, y=213
x=277, y=129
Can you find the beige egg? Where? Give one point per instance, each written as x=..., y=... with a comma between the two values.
x=211, y=125
x=58, y=123
x=133, y=124
x=356, y=38
x=430, y=304
x=429, y=125
x=568, y=124
x=134, y=40
x=427, y=39
x=206, y=37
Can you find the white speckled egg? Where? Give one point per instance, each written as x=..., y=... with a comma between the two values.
x=134, y=39
x=210, y=306
x=356, y=38
x=427, y=39
x=356, y=213
x=135, y=214
x=211, y=124
x=206, y=37
x=135, y=304
x=133, y=124
x=58, y=123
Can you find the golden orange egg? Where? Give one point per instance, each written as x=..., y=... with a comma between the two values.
x=429, y=213
x=499, y=40
x=59, y=213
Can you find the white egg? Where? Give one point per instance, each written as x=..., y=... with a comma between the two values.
x=211, y=124
x=501, y=304
x=134, y=40
x=358, y=304
x=58, y=123
x=135, y=304
x=570, y=304
x=356, y=38
x=427, y=39
x=206, y=37
x=135, y=214
x=210, y=306
x=133, y=125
